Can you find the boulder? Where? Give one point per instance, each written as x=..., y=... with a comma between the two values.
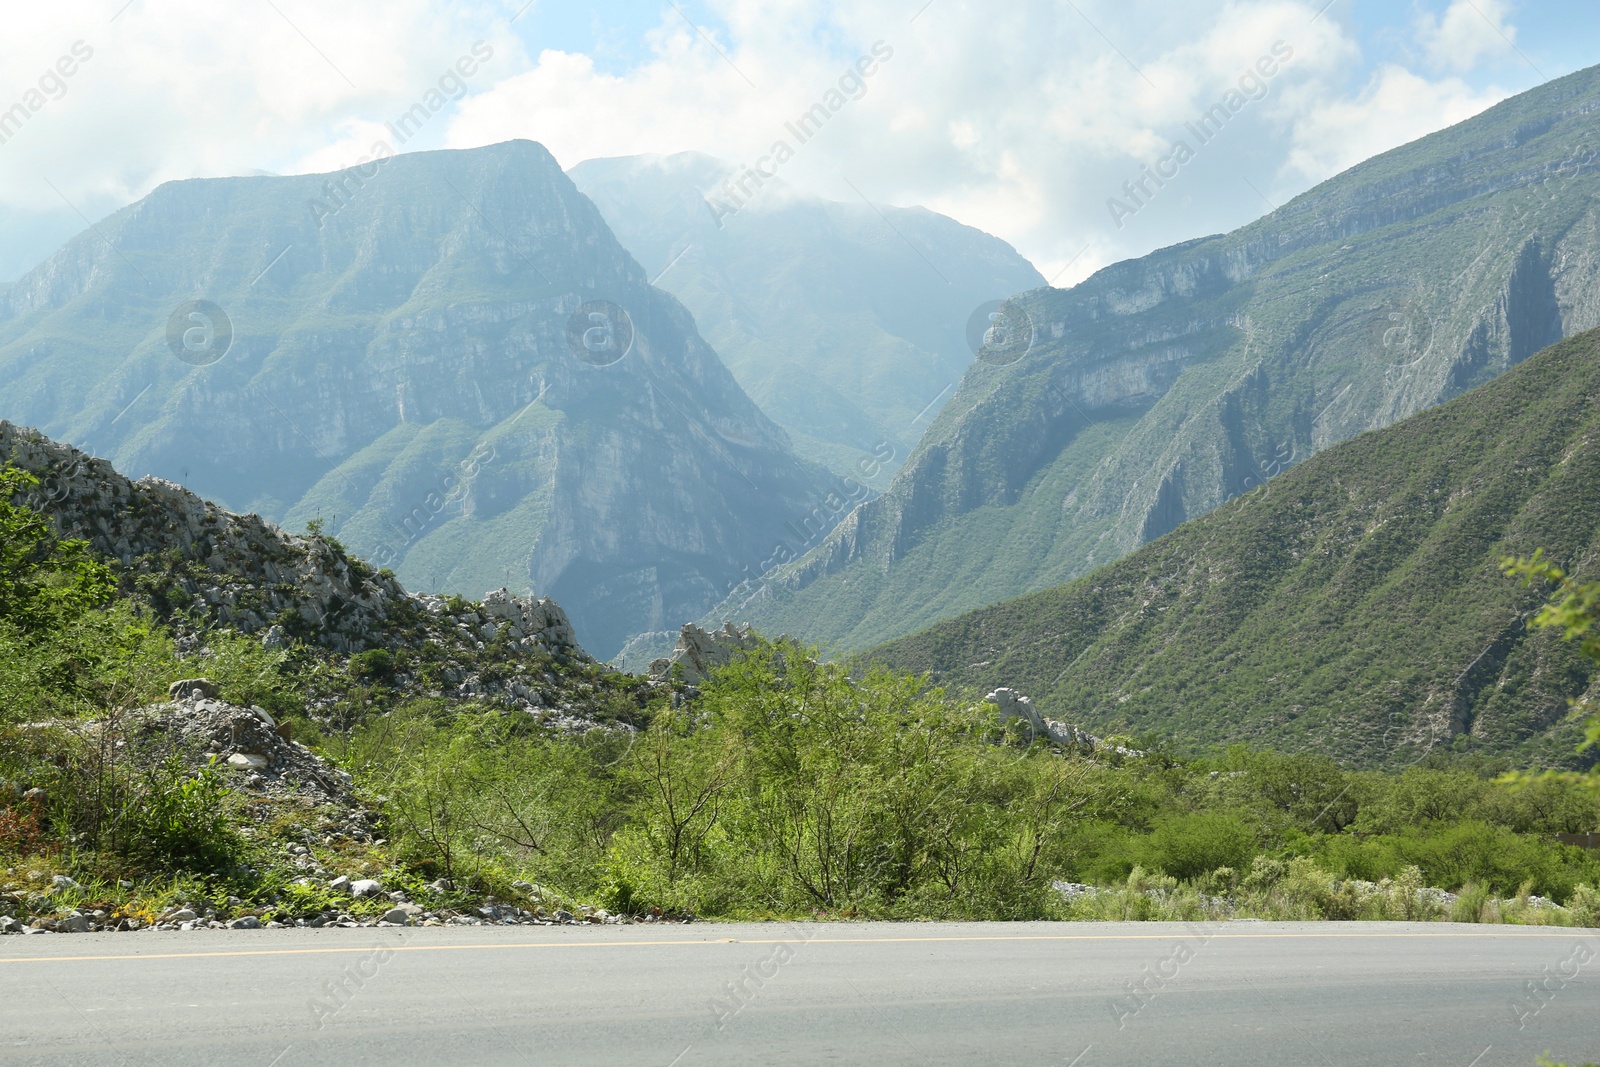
x=193, y=689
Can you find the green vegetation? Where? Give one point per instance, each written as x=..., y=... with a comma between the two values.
x=1354, y=605
x=782, y=787
x=786, y=788
x=1574, y=610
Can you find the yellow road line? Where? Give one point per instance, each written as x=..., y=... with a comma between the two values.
x=1542, y=932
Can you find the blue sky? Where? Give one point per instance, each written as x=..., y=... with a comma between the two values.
x=1558, y=36
x=1024, y=119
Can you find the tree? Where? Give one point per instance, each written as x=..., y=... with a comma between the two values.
x=43, y=578
x=1574, y=609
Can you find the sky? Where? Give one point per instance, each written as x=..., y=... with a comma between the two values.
x=1033, y=120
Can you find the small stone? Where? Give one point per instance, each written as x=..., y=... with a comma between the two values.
x=262, y=714
x=397, y=916
x=75, y=924
x=365, y=887
x=193, y=687
x=8, y=925
x=248, y=761
x=61, y=881
x=340, y=884
x=182, y=915
x=245, y=922
x=562, y=915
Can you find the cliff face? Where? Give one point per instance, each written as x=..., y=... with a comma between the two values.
x=446, y=357
x=846, y=322
x=1162, y=387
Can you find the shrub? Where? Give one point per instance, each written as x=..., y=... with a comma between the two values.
x=1188, y=846
x=179, y=820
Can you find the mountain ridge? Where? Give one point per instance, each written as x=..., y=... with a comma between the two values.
x=1163, y=386
x=846, y=322
x=411, y=369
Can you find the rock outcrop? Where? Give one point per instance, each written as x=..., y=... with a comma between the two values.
x=700, y=652
x=242, y=572
x=1013, y=705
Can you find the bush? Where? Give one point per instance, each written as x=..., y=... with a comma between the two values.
x=177, y=820
x=1188, y=846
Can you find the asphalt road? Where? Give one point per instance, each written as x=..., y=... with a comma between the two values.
x=1016, y=993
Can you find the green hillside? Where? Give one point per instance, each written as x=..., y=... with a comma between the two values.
x=1352, y=606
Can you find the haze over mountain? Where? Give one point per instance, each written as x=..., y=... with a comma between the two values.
x=846, y=322
x=399, y=351
x=1162, y=387
x=1353, y=606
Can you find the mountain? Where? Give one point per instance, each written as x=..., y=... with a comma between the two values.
x=1162, y=387
x=445, y=357
x=846, y=323
x=1353, y=605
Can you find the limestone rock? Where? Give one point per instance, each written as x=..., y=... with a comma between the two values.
x=1013, y=705
x=702, y=651
x=193, y=689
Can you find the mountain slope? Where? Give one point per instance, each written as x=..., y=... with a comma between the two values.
x=408, y=363
x=844, y=324
x=345, y=640
x=1353, y=605
x=1162, y=387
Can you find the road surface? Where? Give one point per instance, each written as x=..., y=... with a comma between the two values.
x=1068, y=995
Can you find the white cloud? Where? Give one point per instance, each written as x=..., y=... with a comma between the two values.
x=1021, y=119
x=184, y=88
x=1396, y=107
x=1465, y=33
